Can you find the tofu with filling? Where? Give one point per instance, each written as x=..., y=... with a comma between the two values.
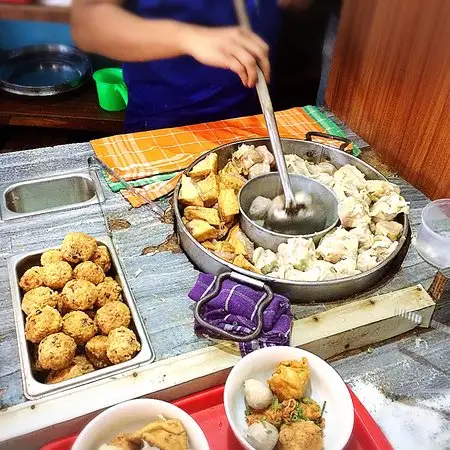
x=241, y=243
x=228, y=205
x=209, y=189
x=241, y=262
x=189, y=193
x=210, y=215
x=201, y=230
x=206, y=166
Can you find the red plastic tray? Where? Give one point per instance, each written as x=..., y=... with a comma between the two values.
x=207, y=409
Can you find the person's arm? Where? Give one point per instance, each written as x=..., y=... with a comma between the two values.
x=104, y=27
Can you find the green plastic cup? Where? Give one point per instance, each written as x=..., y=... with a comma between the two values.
x=111, y=89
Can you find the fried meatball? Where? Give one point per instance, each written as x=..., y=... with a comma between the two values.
x=96, y=351
x=57, y=274
x=89, y=271
x=79, y=326
x=102, y=258
x=42, y=323
x=78, y=247
x=108, y=291
x=122, y=345
x=51, y=256
x=300, y=436
x=79, y=366
x=35, y=365
x=290, y=379
x=79, y=295
x=112, y=315
x=56, y=351
x=37, y=298
x=31, y=279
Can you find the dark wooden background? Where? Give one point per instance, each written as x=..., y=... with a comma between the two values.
x=390, y=82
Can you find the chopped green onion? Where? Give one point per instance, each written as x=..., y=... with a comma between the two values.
x=323, y=408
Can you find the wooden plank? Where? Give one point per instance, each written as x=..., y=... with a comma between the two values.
x=362, y=322
x=33, y=12
x=390, y=82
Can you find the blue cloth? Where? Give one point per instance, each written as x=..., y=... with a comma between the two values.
x=181, y=91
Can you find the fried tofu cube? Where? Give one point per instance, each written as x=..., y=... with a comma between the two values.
x=216, y=246
x=228, y=205
x=223, y=228
x=210, y=215
x=201, y=230
x=209, y=189
x=189, y=194
x=240, y=261
x=241, y=243
x=230, y=167
x=231, y=181
x=206, y=166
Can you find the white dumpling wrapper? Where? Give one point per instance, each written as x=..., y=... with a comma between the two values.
x=366, y=260
x=379, y=188
x=297, y=252
x=388, y=207
x=364, y=235
x=350, y=176
x=391, y=229
x=258, y=169
x=353, y=212
x=265, y=260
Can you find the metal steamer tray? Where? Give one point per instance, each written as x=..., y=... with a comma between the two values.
x=33, y=386
x=296, y=291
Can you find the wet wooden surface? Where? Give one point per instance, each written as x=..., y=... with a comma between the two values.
x=160, y=277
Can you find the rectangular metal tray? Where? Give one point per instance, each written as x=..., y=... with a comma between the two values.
x=35, y=389
x=50, y=194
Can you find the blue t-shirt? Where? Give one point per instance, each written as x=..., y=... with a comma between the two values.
x=181, y=91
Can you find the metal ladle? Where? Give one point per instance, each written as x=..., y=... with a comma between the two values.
x=288, y=212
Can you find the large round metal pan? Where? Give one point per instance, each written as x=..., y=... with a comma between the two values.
x=44, y=70
x=296, y=291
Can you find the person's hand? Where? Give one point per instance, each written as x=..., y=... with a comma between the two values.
x=231, y=48
x=294, y=4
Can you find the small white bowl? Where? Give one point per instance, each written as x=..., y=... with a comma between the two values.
x=130, y=416
x=326, y=385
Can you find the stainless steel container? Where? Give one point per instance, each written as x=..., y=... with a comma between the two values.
x=296, y=291
x=34, y=388
x=268, y=186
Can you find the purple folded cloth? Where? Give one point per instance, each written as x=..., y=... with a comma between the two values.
x=234, y=309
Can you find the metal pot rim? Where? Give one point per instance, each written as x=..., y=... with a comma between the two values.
x=265, y=278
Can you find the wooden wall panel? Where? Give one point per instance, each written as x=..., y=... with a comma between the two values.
x=390, y=82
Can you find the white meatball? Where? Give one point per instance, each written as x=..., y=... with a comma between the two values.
x=257, y=394
x=262, y=436
x=259, y=207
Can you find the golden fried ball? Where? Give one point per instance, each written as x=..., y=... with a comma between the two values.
x=51, y=256
x=89, y=271
x=37, y=298
x=79, y=295
x=112, y=315
x=56, y=351
x=300, y=435
x=31, y=279
x=77, y=247
x=122, y=345
x=57, y=274
x=79, y=366
x=108, y=291
x=42, y=323
x=102, y=258
x=96, y=351
x=35, y=365
x=79, y=326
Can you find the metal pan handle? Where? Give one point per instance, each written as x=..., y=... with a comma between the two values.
x=259, y=312
x=345, y=142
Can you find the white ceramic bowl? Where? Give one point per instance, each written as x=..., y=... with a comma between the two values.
x=326, y=385
x=132, y=415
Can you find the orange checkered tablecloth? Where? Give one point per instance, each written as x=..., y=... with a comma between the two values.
x=139, y=155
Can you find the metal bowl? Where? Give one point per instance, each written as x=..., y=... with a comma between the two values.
x=268, y=186
x=44, y=70
x=296, y=291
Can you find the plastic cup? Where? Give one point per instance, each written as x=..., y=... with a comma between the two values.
x=433, y=239
x=111, y=89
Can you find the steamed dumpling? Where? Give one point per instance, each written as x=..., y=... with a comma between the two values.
x=350, y=176
x=366, y=260
x=297, y=252
x=391, y=229
x=265, y=260
x=258, y=169
x=325, y=179
x=268, y=158
x=333, y=248
x=379, y=188
x=388, y=207
x=347, y=267
x=353, y=213
x=364, y=236
x=295, y=164
x=383, y=247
